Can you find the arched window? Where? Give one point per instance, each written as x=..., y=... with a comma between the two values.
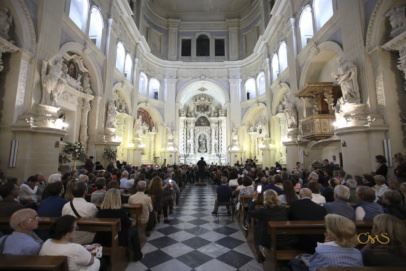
x=128, y=67
x=154, y=86
x=306, y=25
x=96, y=26
x=250, y=88
x=261, y=83
x=78, y=12
x=323, y=11
x=275, y=66
x=283, y=57
x=203, y=46
x=120, y=57
x=142, y=84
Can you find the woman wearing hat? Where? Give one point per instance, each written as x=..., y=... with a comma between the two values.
x=23, y=240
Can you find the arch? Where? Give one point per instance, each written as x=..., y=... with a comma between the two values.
x=203, y=45
x=253, y=112
x=278, y=95
x=275, y=66
x=306, y=25
x=154, y=88
x=318, y=57
x=195, y=87
x=94, y=72
x=323, y=11
x=283, y=56
x=23, y=24
x=78, y=12
x=250, y=88
x=154, y=113
x=142, y=84
x=120, y=56
x=261, y=84
x=96, y=26
x=377, y=23
x=128, y=67
x=123, y=90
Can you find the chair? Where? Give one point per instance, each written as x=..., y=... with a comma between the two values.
x=229, y=206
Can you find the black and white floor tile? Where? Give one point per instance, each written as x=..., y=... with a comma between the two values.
x=196, y=240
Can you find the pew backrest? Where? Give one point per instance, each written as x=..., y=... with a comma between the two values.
x=45, y=263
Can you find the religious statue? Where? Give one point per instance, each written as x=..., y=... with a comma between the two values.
x=72, y=72
x=346, y=77
x=111, y=115
x=86, y=84
x=52, y=82
x=5, y=22
x=290, y=112
x=202, y=148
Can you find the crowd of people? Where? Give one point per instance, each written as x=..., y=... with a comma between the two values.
x=323, y=193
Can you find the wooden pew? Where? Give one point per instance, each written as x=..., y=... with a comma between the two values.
x=112, y=225
x=135, y=210
x=299, y=227
x=46, y=263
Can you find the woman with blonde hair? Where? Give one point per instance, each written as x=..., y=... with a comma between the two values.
x=111, y=208
x=338, y=248
x=389, y=248
x=272, y=211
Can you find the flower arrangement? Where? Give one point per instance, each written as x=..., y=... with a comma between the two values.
x=75, y=151
x=110, y=154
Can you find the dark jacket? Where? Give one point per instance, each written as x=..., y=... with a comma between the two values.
x=382, y=256
x=382, y=170
x=306, y=209
x=51, y=206
x=223, y=193
x=263, y=215
x=104, y=238
x=340, y=207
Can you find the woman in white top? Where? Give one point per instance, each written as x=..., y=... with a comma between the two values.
x=28, y=191
x=316, y=196
x=60, y=244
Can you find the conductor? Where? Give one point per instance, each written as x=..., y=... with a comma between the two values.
x=201, y=167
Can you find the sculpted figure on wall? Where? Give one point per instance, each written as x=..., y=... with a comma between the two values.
x=5, y=23
x=86, y=84
x=52, y=81
x=290, y=112
x=346, y=77
x=111, y=115
x=202, y=141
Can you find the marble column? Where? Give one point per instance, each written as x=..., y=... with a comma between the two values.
x=83, y=136
x=233, y=42
x=173, y=28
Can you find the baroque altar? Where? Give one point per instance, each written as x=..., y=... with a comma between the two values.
x=202, y=131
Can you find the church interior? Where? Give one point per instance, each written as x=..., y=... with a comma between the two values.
x=189, y=98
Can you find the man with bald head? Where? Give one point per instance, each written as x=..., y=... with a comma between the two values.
x=306, y=209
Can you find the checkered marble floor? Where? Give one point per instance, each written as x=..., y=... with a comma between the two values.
x=196, y=240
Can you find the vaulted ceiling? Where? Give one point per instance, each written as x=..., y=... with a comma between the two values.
x=200, y=10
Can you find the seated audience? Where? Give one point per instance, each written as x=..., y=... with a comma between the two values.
x=233, y=179
x=367, y=209
x=23, y=240
x=380, y=186
x=125, y=183
x=289, y=194
x=141, y=198
x=275, y=184
x=97, y=196
x=223, y=195
x=306, y=209
x=79, y=207
x=352, y=185
x=337, y=250
x=272, y=211
x=382, y=168
x=316, y=196
x=9, y=192
x=28, y=191
x=392, y=203
x=340, y=204
x=111, y=208
x=390, y=246
x=61, y=244
x=246, y=191
x=156, y=192
x=52, y=203
x=56, y=177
